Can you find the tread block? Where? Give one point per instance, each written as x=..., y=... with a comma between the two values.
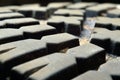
x=101, y=38
x=37, y=31
x=53, y=6
x=17, y=23
x=109, y=23
x=93, y=75
x=76, y=18
x=67, y=17
x=12, y=8
x=99, y=9
x=34, y=11
x=27, y=9
x=115, y=42
x=58, y=4
x=73, y=27
x=104, y=22
x=81, y=5
x=18, y=52
x=107, y=39
x=115, y=13
x=112, y=67
x=60, y=67
x=2, y=24
x=5, y=10
x=35, y=5
x=4, y=16
x=70, y=25
x=23, y=71
x=86, y=56
x=41, y=13
x=60, y=41
x=67, y=12
x=58, y=24
x=10, y=35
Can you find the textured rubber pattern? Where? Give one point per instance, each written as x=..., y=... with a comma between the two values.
x=18, y=52
x=37, y=31
x=107, y=39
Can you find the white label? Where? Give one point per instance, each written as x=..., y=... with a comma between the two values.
x=88, y=28
x=89, y=23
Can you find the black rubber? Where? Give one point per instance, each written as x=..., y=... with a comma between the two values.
x=37, y=31
x=17, y=23
x=60, y=41
x=107, y=39
x=112, y=67
x=88, y=57
x=18, y=52
x=93, y=75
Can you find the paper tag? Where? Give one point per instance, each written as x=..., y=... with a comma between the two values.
x=89, y=23
x=88, y=28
